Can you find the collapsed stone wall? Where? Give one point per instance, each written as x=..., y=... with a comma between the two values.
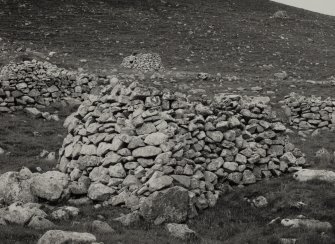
x=310, y=113
x=144, y=62
x=38, y=84
x=133, y=141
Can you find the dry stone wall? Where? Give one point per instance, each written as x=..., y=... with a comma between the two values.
x=132, y=142
x=143, y=62
x=310, y=113
x=37, y=84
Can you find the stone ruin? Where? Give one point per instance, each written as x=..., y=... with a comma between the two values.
x=135, y=145
x=38, y=84
x=280, y=14
x=310, y=114
x=144, y=62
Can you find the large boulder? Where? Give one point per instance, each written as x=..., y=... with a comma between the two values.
x=50, y=185
x=171, y=205
x=314, y=174
x=65, y=237
x=20, y=214
x=14, y=188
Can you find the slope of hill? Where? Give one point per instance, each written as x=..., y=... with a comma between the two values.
x=217, y=36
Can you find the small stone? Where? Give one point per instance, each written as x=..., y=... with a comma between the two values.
x=235, y=177
x=33, y=112
x=230, y=166
x=260, y=202
x=181, y=231
x=145, y=152
x=99, y=192
x=146, y=128
x=40, y=223
x=216, y=136
x=183, y=180
x=215, y=164
x=102, y=227
x=248, y=177
x=156, y=139
x=129, y=219
x=159, y=183
x=117, y=171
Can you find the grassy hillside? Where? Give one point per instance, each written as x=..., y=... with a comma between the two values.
x=235, y=36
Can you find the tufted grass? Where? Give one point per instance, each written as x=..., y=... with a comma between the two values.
x=22, y=147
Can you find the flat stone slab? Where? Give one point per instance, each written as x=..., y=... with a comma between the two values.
x=305, y=175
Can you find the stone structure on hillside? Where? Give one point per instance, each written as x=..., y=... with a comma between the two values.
x=143, y=62
x=136, y=145
x=310, y=113
x=280, y=14
x=38, y=84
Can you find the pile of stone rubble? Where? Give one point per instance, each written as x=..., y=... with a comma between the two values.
x=37, y=84
x=144, y=62
x=310, y=113
x=134, y=145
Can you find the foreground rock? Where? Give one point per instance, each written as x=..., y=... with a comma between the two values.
x=15, y=186
x=20, y=214
x=181, y=231
x=50, y=185
x=25, y=214
x=66, y=237
x=314, y=174
x=171, y=205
